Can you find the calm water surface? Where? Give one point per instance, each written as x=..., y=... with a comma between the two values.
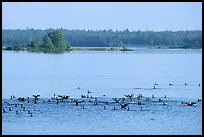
x=112, y=74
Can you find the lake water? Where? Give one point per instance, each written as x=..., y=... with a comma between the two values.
x=106, y=75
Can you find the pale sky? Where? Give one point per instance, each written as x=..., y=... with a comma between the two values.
x=157, y=16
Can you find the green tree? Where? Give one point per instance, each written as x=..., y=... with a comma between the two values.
x=35, y=45
x=47, y=44
x=57, y=38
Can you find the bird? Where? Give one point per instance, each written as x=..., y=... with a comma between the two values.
x=185, y=84
x=114, y=108
x=128, y=108
x=152, y=96
x=156, y=84
x=123, y=105
x=191, y=103
x=36, y=96
x=78, y=87
x=170, y=84
x=21, y=99
x=89, y=92
x=116, y=100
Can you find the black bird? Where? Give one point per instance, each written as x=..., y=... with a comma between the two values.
x=36, y=96
x=156, y=84
x=116, y=100
x=128, y=108
x=146, y=99
x=123, y=105
x=89, y=92
x=190, y=104
x=21, y=99
x=78, y=87
x=129, y=95
x=152, y=96
x=77, y=102
x=185, y=84
x=170, y=84
x=29, y=111
x=199, y=99
x=114, y=108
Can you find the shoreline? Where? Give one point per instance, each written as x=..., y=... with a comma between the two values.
x=116, y=49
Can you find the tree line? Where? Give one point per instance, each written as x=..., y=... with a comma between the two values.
x=104, y=38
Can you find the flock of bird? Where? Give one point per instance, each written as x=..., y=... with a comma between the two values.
x=125, y=102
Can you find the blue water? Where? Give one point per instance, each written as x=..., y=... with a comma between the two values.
x=106, y=75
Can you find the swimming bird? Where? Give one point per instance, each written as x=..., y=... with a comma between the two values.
x=146, y=99
x=29, y=111
x=130, y=96
x=185, y=84
x=21, y=99
x=191, y=103
x=170, y=84
x=124, y=105
x=77, y=102
x=89, y=92
x=199, y=99
x=16, y=111
x=4, y=110
x=152, y=96
x=128, y=108
x=164, y=96
x=199, y=84
x=116, y=100
x=114, y=108
x=156, y=84
x=154, y=87
x=36, y=98
x=141, y=108
x=78, y=87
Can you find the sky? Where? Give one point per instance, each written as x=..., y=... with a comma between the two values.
x=153, y=16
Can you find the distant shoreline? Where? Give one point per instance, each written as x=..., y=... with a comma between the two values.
x=116, y=49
